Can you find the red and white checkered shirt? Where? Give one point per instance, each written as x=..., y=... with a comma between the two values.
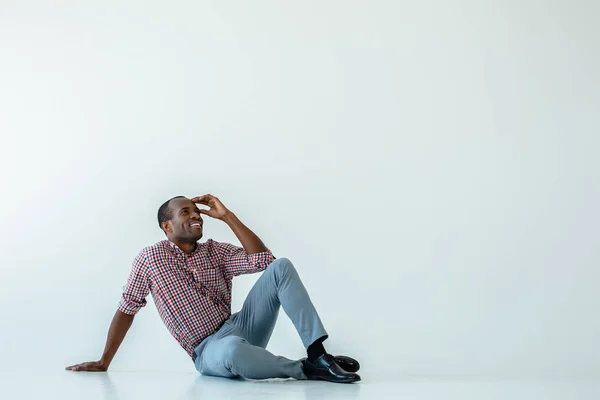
x=192, y=292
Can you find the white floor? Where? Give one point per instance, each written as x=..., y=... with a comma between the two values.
x=161, y=385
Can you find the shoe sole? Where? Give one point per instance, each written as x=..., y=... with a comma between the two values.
x=322, y=378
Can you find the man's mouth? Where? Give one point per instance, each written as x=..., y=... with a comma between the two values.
x=196, y=225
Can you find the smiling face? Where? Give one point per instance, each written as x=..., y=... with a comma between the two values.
x=185, y=222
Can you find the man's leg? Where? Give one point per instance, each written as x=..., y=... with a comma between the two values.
x=279, y=285
x=238, y=348
x=233, y=356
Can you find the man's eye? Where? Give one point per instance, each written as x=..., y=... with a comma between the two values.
x=185, y=211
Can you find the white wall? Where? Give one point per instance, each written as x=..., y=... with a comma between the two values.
x=430, y=167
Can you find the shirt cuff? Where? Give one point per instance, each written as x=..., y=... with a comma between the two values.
x=261, y=260
x=130, y=307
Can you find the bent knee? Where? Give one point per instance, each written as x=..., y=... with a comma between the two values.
x=281, y=265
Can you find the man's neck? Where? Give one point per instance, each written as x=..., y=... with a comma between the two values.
x=186, y=247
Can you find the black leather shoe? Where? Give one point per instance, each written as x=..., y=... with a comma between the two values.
x=325, y=368
x=348, y=364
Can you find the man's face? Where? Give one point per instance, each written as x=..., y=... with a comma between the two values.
x=186, y=222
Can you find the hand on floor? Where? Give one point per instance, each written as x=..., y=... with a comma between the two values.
x=92, y=366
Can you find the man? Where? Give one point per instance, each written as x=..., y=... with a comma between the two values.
x=191, y=286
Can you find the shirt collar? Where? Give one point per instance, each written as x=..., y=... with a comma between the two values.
x=179, y=251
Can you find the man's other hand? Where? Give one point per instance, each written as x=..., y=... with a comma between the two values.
x=92, y=366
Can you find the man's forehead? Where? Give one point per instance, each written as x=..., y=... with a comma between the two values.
x=181, y=203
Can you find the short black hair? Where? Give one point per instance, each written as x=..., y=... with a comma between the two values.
x=164, y=212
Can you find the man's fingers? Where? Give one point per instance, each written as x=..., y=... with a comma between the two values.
x=206, y=197
x=83, y=367
x=205, y=202
x=201, y=199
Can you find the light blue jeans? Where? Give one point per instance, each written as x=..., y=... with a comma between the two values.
x=238, y=348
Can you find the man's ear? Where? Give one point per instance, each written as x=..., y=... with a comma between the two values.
x=167, y=226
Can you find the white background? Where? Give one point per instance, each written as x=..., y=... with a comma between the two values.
x=430, y=167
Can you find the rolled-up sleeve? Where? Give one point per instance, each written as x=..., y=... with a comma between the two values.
x=235, y=261
x=137, y=287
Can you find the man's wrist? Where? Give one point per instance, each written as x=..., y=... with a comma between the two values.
x=229, y=218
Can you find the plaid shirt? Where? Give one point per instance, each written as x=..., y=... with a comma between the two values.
x=192, y=292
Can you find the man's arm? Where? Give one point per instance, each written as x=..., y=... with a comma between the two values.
x=116, y=333
x=132, y=300
x=252, y=244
